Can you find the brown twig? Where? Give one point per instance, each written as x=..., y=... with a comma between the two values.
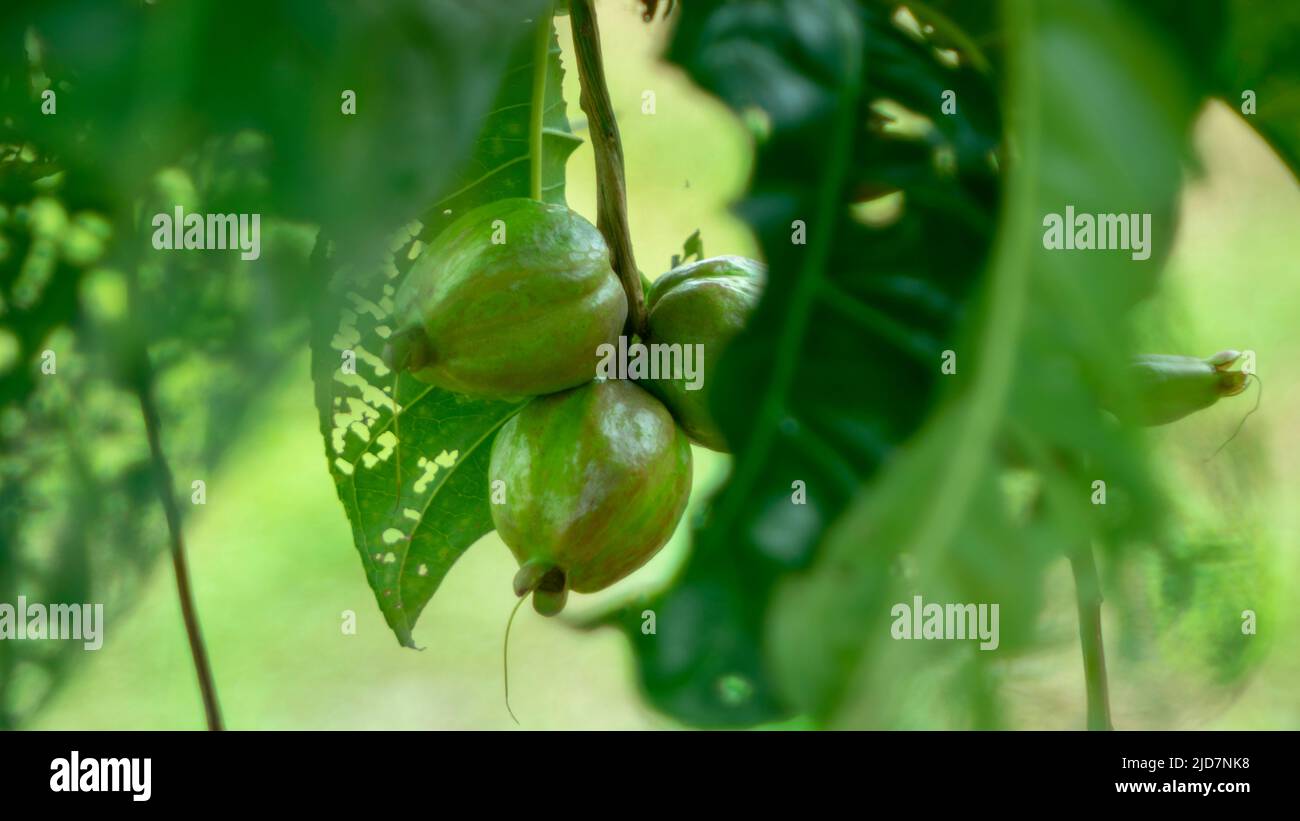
x=611, y=183
x=162, y=475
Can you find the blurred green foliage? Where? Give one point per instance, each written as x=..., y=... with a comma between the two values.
x=1100, y=98
x=967, y=488
x=852, y=311
x=107, y=121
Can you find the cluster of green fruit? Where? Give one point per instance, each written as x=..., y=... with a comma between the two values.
x=513, y=300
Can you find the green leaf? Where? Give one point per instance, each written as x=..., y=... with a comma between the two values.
x=499, y=166
x=1044, y=344
x=1259, y=53
x=841, y=358
x=410, y=460
x=692, y=248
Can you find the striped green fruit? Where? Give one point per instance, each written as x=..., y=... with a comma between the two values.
x=595, y=481
x=510, y=300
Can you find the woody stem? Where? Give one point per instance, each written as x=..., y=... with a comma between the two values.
x=611, y=182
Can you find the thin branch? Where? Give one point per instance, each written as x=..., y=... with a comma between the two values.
x=1087, y=586
x=162, y=476
x=611, y=183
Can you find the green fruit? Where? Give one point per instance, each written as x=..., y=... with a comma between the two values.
x=1167, y=387
x=596, y=479
x=510, y=300
x=702, y=303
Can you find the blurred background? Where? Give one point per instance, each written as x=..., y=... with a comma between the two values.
x=274, y=567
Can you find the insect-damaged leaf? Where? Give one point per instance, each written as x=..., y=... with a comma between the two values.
x=410, y=460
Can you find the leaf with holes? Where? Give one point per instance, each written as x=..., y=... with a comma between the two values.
x=410, y=460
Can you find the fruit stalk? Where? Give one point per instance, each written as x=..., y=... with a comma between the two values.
x=611, y=182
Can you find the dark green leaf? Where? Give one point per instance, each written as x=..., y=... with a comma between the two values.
x=841, y=359
x=1259, y=54
x=1045, y=341
x=130, y=100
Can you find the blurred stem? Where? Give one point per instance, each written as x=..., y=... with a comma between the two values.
x=611, y=183
x=541, y=51
x=1087, y=587
x=162, y=476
